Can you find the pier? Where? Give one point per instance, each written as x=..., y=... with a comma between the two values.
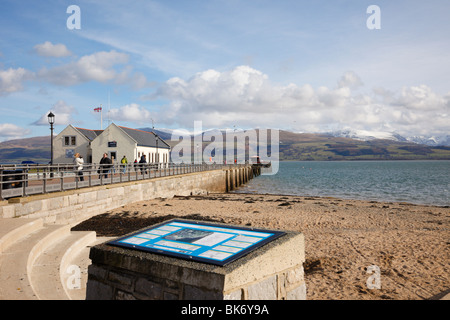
x=58, y=195
x=28, y=180
x=40, y=204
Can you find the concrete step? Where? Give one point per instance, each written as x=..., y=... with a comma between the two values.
x=13, y=229
x=81, y=261
x=17, y=260
x=48, y=273
x=43, y=262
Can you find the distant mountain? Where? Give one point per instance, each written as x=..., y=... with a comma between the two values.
x=28, y=143
x=347, y=145
x=363, y=135
x=431, y=140
x=36, y=149
x=328, y=147
x=344, y=145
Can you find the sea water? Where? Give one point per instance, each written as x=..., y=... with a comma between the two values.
x=418, y=182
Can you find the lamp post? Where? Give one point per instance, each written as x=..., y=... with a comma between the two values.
x=157, y=153
x=51, y=120
x=156, y=137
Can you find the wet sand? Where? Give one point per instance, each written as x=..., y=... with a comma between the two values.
x=409, y=243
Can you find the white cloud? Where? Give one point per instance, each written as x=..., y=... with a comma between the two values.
x=240, y=89
x=245, y=97
x=350, y=80
x=100, y=66
x=415, y=110
x=47, y=49
x=132, y=113
x=12, y=131
x=95, y=67
x=11, y=80
x=421, y=98
x=136, y=80
x=63, y=114
x=244, y=90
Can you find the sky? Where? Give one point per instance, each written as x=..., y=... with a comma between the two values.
x=304, y=66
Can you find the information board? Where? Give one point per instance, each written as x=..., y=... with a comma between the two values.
x=198, y=241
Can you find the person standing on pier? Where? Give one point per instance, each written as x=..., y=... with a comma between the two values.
x=79, y=162
x=124, y=163
x=105, y=165
x=143, y=164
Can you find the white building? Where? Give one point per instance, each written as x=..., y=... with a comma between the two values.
x=115, y=140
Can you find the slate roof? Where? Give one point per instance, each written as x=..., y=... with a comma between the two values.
x=90, y=134
x=143, y=138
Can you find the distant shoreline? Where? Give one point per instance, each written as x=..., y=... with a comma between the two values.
x=39, y=161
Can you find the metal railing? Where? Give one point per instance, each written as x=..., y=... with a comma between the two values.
x=26, y=180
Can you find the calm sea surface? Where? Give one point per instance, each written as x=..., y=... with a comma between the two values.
x=419, y=182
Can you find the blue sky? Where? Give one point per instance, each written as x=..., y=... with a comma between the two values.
x=306, y=66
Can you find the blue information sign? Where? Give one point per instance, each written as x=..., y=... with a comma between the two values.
x=198, y=241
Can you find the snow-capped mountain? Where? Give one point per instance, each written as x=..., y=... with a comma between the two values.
x=431, y=140
x=364, y=135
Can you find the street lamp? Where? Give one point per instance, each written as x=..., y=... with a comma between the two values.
x=51, y=120
x=156, y=137
x=157, y=153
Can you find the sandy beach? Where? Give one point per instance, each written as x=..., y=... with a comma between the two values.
x=409, y=243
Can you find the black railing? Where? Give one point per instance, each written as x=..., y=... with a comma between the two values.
x=26, y=180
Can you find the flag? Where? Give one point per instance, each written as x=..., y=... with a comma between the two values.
x=98, y=109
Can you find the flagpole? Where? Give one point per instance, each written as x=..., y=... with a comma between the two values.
x=101, y=117
x=109, y=108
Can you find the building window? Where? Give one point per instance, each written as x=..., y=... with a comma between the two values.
x=70, y=141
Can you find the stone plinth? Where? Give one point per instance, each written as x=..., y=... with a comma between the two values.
x=273, y=271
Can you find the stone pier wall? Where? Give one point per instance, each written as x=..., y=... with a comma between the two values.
x=74, y=206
